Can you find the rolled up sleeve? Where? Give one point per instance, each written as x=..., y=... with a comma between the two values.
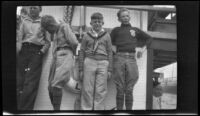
x=70, y=36
x=143, y=38
x=20, y=33
x=47, y=44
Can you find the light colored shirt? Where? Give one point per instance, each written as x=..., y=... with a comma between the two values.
x=65, y=37
x=95, y=34
x=31, y=31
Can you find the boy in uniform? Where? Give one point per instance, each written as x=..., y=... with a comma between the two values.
x=95, y=64
x=125, y=39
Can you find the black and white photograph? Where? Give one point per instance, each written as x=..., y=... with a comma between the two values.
x=81, y=80
x=96, y=57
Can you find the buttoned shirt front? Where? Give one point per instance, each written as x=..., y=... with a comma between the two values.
x=31, y=31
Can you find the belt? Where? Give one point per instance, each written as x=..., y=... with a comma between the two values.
x=62, y=48
x=27, y=44
x=30, y=44
x=126, y=53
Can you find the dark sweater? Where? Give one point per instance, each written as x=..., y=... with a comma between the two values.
x=125, y=42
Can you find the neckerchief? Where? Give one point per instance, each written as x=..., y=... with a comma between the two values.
x=94, y=35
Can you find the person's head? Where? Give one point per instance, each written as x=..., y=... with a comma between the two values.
x=97, y=21
x=123, y=15
x=49, y=23
x=34, y=11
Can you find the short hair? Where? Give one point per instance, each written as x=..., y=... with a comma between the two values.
x=47, y=20
x=121, y=10
x=40, y=7
x=97, y=15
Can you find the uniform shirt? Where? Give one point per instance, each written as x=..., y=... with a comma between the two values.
x=64, y=37
x=96, y=46
x=31, y=31
x=127, y=38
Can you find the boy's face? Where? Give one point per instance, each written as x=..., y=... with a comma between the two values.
x=34, y=11
x=124, y=17
x=51, y=28
x=97, y=24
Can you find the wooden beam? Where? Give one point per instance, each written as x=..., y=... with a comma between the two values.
x=165, y=54
x=162, y=35
x=149, y=87
x=164, y=44
x=163, y=62
x=82, y=15
x=165, y=21
x=151, y=20
x=160, y=61
x=164, y=59
x=157, y=35
x=157, y=66
x=144, y=20
x=137, y=7
x=169, y=57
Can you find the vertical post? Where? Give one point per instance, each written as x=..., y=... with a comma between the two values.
x=149, y=97
x=82, y=16
x=82, y=25
x=149, y=81
x=141, y=21
x=81, y=22
x=144, y=20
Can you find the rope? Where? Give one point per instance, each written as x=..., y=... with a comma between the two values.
x=68, y=14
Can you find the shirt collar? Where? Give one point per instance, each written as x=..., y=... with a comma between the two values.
x=126, y=25
x=95, y=34
x=30, y=19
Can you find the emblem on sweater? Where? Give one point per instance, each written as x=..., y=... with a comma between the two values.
x=132, y=32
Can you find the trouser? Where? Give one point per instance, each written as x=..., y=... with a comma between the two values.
x=29, y=68
x=55, y=95
x=125, y=76
x=60, y=72
x=94, y=87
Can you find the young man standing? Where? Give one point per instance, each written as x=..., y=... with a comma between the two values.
x=33, y=45
x=95, y=65
x=64, y=47
x=125, y=39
